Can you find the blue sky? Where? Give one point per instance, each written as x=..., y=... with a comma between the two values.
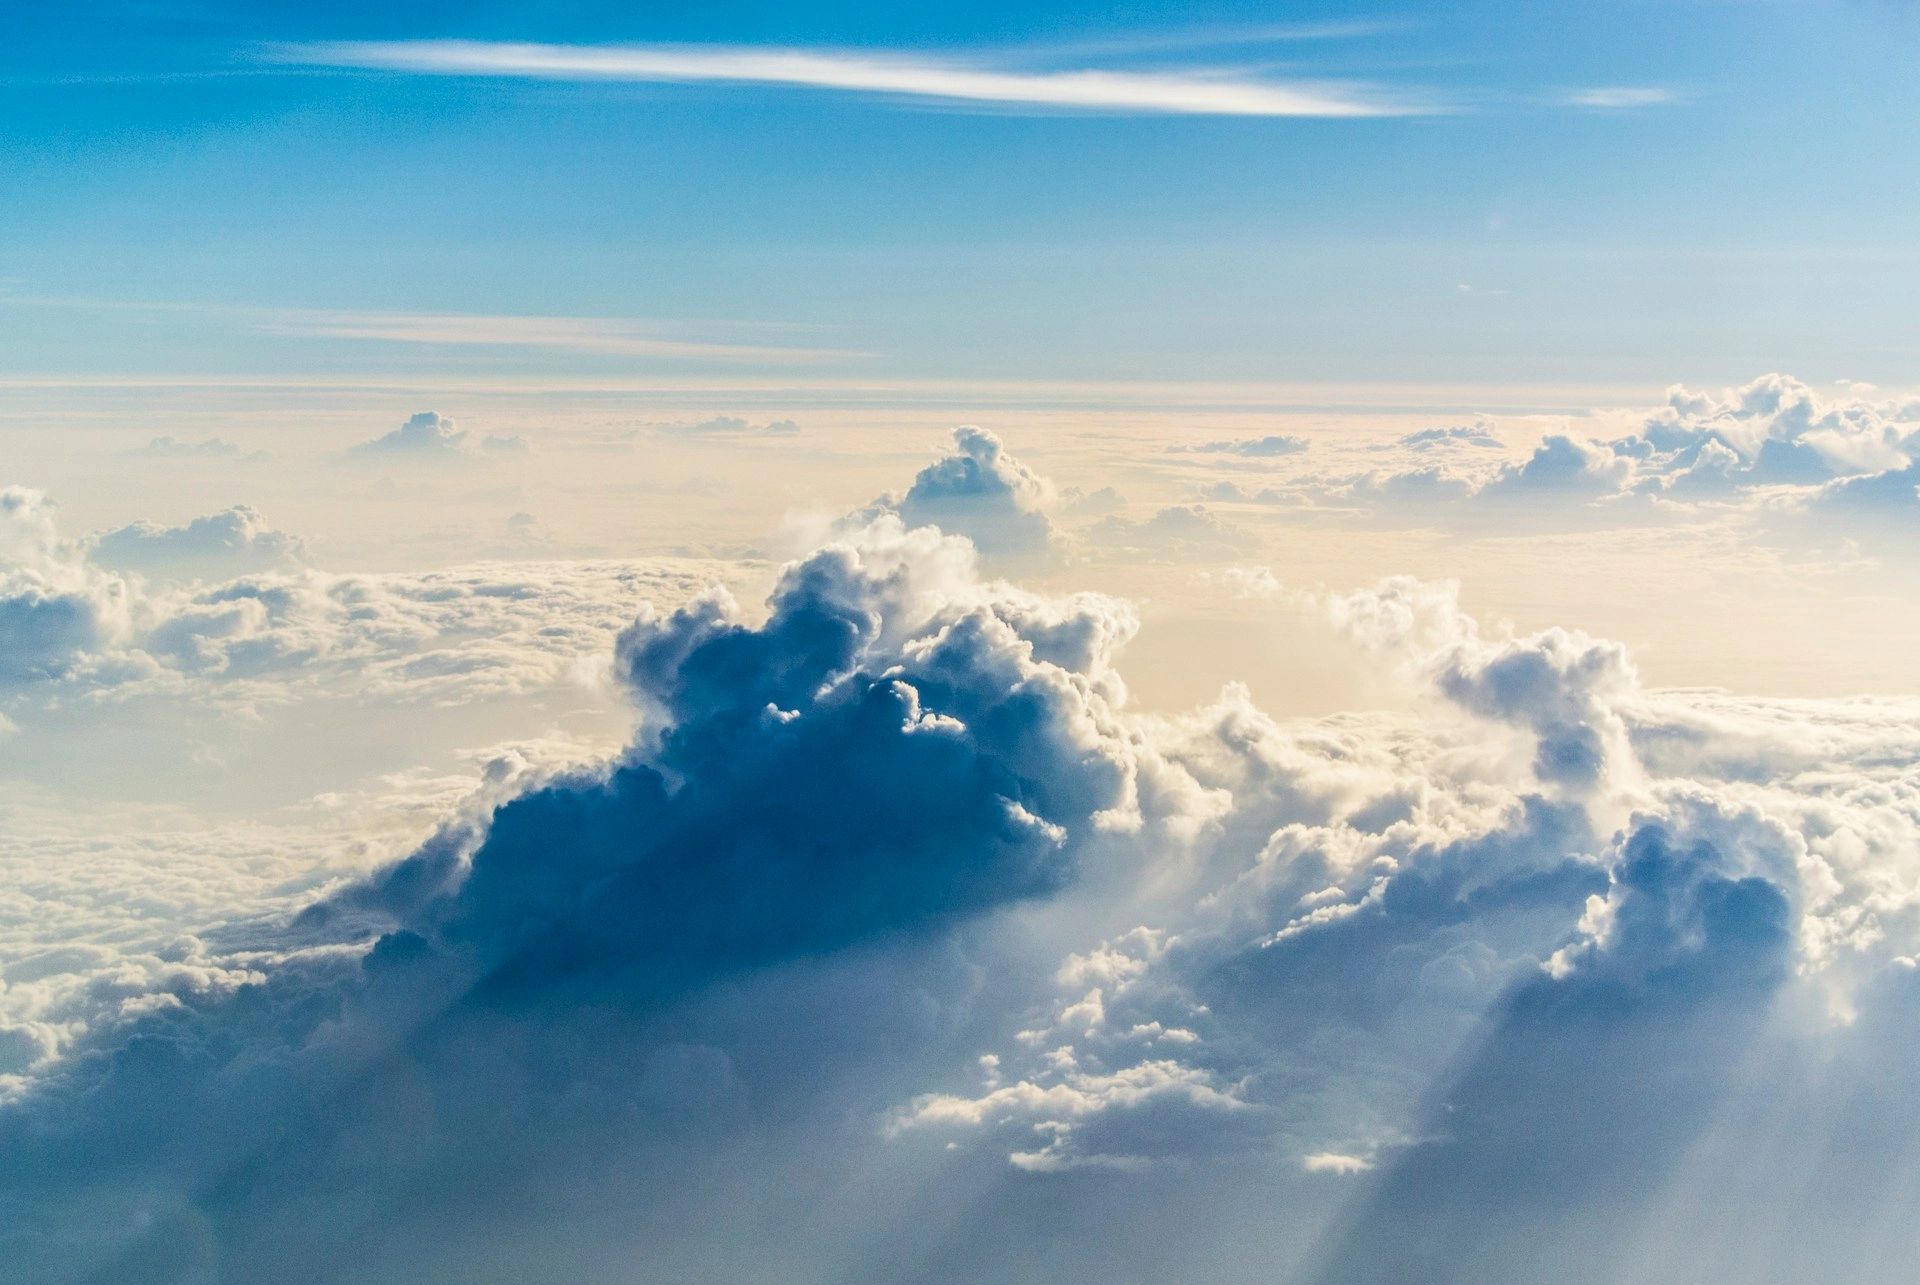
x=1623, y=192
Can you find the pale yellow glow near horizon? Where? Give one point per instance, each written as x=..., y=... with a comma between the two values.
x=609, y=474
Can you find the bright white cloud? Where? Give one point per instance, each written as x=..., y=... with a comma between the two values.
x=902, y=75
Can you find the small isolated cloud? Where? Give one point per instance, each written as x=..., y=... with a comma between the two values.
x=1430, y=439
x=1184, y=530
x=425, y=436
x=736, y=425
x=1251, y=447
x=1335, y=1162
x=1091, y=504
x=218, y=546
x=1621, y=97
x=213, y=448
x=504, y=444
x=1234, y=493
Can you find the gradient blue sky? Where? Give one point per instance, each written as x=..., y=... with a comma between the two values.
x=180, y=198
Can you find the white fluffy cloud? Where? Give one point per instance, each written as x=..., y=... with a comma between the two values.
x=982, y=492
x=1773, y=438
x=72, y=622
x=218, y=546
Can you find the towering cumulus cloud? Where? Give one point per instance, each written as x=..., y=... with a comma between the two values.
x=893, y=747
x=897, y=946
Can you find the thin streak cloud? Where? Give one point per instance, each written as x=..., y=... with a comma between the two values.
x=592, y=335
x=905, y=75
x=1220, y=38
x=1618, y=97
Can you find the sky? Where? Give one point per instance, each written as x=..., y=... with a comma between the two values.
x=1599, y=197
x=959, y=643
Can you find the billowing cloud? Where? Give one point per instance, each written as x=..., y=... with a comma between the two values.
x=424, y=436
x=982, y=492
x=896, y=934
x=1773, y=439
x=54, y=608
x=218, y=546
x=1561, y=465
x=73, y=622
x=929, y=756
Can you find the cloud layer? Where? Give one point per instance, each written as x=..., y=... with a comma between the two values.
x=896, y=941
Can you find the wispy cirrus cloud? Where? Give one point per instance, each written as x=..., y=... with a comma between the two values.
x=1618, y=97
x=608, y=336
x=1167, y=41
x=907, y=75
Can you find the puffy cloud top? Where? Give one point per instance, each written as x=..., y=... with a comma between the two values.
x=54, y=607
x=876, y=755
x=1848, y=454
x=426, y=435
x=982, y=492
x=220, y=545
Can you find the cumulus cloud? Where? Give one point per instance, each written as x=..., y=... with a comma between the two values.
x=1253, y=447
x=54, y=607
x=1178, y=530
x=896, y=934
x=256, y=625
x=218, y=546
x=424, y=436
x=1559, y=466
x=1767, y=448
x=931, y=756
x=897, y=748
x=982, y=492
x=1430, y=439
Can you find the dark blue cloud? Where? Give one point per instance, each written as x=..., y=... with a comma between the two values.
x=1559, y=1131
x=764, y=885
